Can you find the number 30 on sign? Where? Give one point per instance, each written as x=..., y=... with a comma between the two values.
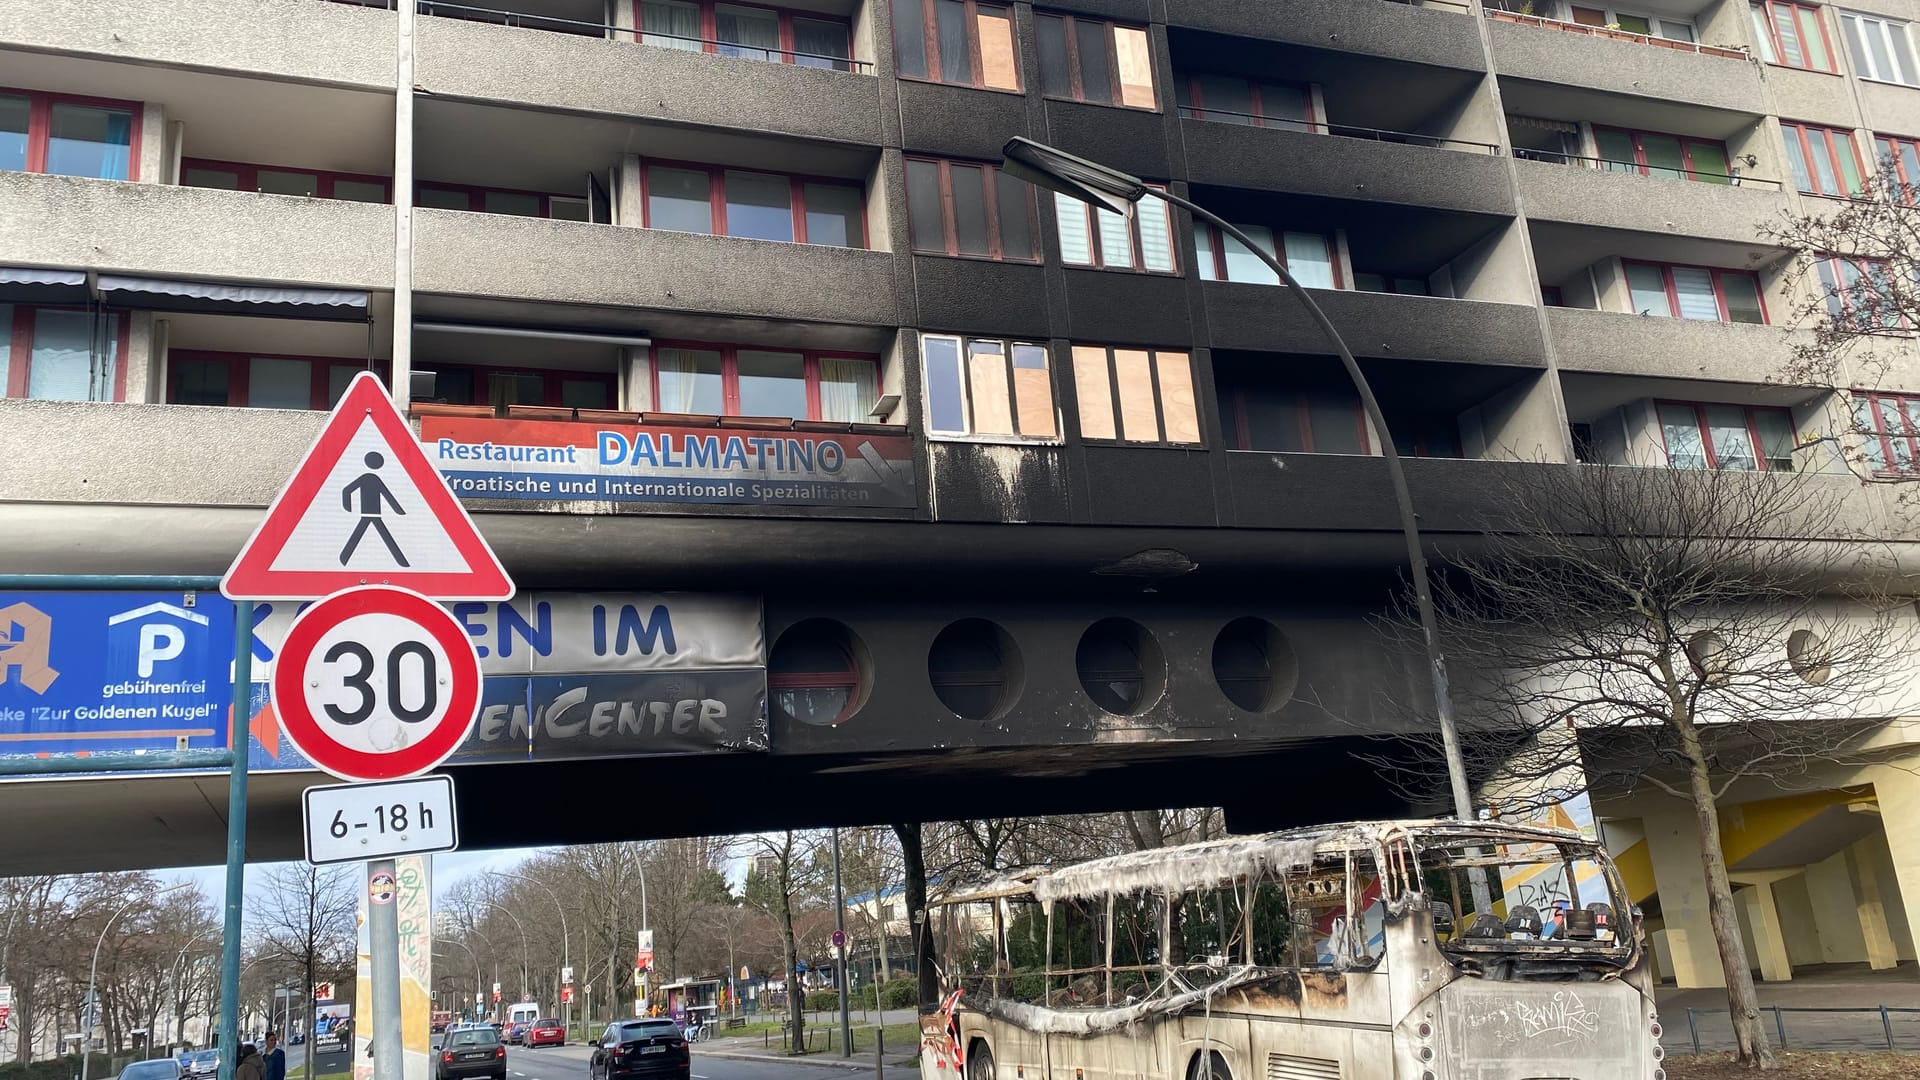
x=376, y=683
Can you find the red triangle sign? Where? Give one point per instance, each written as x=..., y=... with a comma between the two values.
x=366, y=507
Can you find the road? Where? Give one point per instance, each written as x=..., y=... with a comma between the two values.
x=570, y=1063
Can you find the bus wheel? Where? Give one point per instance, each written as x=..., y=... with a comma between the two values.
x=979, y=1062
x=1207, y=1066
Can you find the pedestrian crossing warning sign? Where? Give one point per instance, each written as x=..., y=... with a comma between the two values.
x=366, y=507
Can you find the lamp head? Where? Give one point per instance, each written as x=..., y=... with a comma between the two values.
x=1075, y=177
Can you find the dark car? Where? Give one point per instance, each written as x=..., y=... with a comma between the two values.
x=641, y=1048
x=473, y=1051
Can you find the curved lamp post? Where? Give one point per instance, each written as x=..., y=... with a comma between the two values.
x=478, y=988
x=503, y=909
x=566, y=955
x=93, y=970
x=1110, y=189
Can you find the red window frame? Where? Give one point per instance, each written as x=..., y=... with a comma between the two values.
x=1719, y=288
x=1217, y=246
x=248, y=175
x=846, y=678
x=1886, y=152
x=1750, y=412
x=1687, y=143
x=553, y=380
x=730, y=371
x=1303, y=418
x=238, y=374
x=40, y=124
x=1773, y=33
x=711, y=44
x=1841, y=297
x=1197, y=106
x=717, y=195
x=949, y=223
x=19, y=344
x=1902, y=403
x=1805, y=135
x=477, y=197
x=1136, y=242
x=1075, y=76
x=930, y=41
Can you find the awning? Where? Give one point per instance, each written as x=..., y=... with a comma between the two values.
x=213, y=298
x=31, y=285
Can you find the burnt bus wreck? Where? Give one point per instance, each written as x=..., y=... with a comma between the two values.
x=1343, y=952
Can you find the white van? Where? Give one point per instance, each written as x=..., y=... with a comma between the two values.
x=521, y=1015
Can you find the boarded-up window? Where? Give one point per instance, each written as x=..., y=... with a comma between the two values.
x=987, y=387
x=1135, y=395
x=1091, y=60
x=956, y=41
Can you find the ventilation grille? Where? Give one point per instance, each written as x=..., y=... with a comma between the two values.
x=1288, y=1067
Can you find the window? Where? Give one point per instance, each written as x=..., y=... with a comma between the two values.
x=749, y=32
x=1823, y=160
x=1309, y=257
x=1792, y=35
x=273, y=180
x=1889, y=426
x=955, y=41
x=754, y=205
x=243, y=380
x=812, y=676
x=1088, y=60
x=730, y=380
x=1671, y=157
x=1882, y=49
x=1695, y=292
x=1741, y=438
x=1140, y=239
x=988, y=387
x=1230, y=99
x=1671, y=29
x=1405, y=286
x=69, y=136
x=61, y=354
x=1287, y=419
x=500, y=201
x=502, y=388
x=1901, y=159
x=962, y=208
x=1135, y=395
x=1861, y=295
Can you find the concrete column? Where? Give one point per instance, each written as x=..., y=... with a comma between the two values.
x=1881, y=953
x=1769, y=943
x=627, y=204
x=1898, y=792
x=1674, y=847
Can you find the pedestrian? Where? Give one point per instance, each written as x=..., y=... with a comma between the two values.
x=276, y=1058
x=249, y=1065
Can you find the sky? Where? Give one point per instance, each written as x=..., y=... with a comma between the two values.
x=447, y=870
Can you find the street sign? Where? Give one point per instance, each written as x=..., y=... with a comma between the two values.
x=566, y=975
x=365, y=506
x=357, y=822
x=322, y=993
x=376, y=683
x=566, y=995
x=839, y=939
x=6, y=994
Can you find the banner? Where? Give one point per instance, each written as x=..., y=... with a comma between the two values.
x=557, y=461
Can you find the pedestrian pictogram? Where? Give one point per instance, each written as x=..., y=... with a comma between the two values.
x=376, y=683
x=365, y=506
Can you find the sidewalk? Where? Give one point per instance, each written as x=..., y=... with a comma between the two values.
x=1792, y=1011
x=752, y=1049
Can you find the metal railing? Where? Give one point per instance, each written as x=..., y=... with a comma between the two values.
x=1322, y=127
x=1874, y=1030
x=1617, y=35
x=1614, y=165
x=579, y=28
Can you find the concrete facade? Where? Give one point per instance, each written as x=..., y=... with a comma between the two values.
x=1485, y=290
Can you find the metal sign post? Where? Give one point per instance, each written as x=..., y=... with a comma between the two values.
x=383, y=942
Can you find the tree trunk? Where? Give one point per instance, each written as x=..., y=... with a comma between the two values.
x=796, y=997
x=1743, y=1003
x=914, y=863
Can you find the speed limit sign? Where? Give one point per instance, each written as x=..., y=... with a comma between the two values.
x=376, y=683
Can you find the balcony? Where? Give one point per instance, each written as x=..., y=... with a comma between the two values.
x=1619, y=342
x=194, y=232
x=1682, y=73
x=1345, y=162
x=1611, y=34
x=458, y=253
x=1616, y=195
x=1382, y=324
x=1427, y=34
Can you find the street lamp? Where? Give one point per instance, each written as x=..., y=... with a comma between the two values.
x=566, y=956
x=1110, y=189
x=478, y=992
x=523, y=942
x=93, y=971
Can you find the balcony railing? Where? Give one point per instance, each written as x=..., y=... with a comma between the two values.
x=1345, y=131
x=554, y=24
x=1617, y=35
x=1698, y=176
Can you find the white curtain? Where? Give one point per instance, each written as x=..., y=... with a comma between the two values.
x=672, y=24
x=743, y=26
x=848, y=389
x=689, y=381
x=1075, y=246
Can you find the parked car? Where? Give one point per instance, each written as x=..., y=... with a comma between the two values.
x=156, y=1069
x=203, y=1063
x=516, y=1033
x=471, y=1052
x=297, y=1038
x=635, y=1048
x=547, y=1032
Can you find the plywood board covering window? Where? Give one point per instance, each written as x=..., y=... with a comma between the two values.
x=1135, y=395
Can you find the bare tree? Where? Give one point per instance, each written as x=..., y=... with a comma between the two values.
x=1710, y=627
x=307, y=914
x=781, y=874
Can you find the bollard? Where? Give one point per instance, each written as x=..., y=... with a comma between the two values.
x=1694, y=1030
x=1886, y=1021
x=1780, y=1025
x=880, y=1051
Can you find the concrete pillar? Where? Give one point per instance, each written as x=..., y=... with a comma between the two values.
x=1898, y=792
x=1674, y=847
x=1769, y=943
x=1867, y=901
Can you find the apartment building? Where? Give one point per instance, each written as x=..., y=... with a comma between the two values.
x=1074, y=491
